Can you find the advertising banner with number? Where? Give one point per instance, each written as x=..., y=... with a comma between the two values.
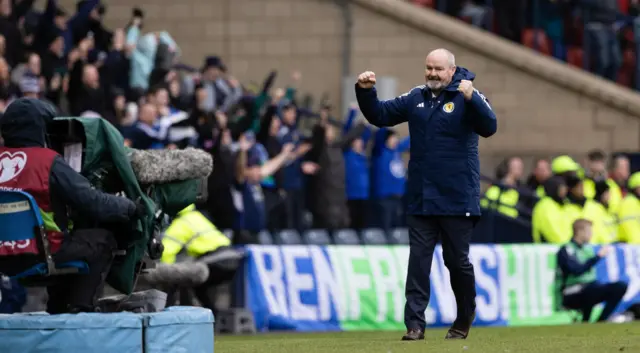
x=322, y=288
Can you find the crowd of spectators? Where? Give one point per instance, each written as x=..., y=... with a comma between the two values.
x=279, y=163
x=601, y=36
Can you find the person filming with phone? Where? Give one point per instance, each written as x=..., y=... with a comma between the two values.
x=576, y=284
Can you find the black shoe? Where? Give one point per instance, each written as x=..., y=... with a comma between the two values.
x=460, y=331
x=413, y=335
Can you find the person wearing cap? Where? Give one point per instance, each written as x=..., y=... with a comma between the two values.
x=629, y=212
x=221, y=93
x=548, y=221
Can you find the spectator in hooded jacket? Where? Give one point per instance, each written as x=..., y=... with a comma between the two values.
x=357, y=174
x=548, y=221
x=388, y=177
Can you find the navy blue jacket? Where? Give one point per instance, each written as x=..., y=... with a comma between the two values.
x=444, y=170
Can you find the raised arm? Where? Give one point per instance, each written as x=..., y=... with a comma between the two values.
x=379, y=113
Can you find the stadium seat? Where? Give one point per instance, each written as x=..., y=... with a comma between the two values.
x=22, y=223
x=316, y=237
x=346, y=237
x=288, y=237
x=399, y=236
x=623, y=6
x=374, y=236
x=575, y=56
x=537, y=40
x=265, y=238
x=424, y=3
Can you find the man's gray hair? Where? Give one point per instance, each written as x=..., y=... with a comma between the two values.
x=450, y=57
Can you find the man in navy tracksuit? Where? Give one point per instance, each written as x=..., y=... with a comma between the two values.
x=388, y=176
x=445, y=117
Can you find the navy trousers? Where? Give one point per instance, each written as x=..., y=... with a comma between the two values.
x=455, y=235
x=596, y=293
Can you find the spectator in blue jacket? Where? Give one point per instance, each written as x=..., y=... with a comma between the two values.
x=388, y=177
x=445, y=118
x=357, y=174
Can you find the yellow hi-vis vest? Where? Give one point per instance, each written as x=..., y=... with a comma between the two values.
x=548, y=222
x=504, y=201
x=191, y=234
x=629, y=219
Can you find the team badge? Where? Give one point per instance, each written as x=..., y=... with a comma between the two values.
x=448, y=108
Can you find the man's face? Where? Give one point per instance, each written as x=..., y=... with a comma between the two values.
x=34, y=64
x=562, y=191
x=162, y=98
x=516, y=168
x=90, y=76
x=212, y=73
x=4, y=69
x=392, y=142
x=148, y=114
x=622, y=170
x=584, y=235
x=542, y=171
x=289, y=116
x=274, y=127
x=357, y=145
x=438, y=71
x=57, y=46
x=597, y=166
x=95, y=14
x=5, y=8
x=253, y=174
x=578, y=190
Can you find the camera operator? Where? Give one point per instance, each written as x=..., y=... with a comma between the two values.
x=29, y=165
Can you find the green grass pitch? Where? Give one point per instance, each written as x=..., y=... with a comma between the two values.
x=579, y=338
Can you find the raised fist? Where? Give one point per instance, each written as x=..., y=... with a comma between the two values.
x=367, y=79
x=466, y=88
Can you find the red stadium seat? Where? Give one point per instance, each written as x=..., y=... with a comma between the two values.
x=536, y=39
x=627, y=70
x=425, y=3
x=623, y=6
x=575, y=56
x=466, y=19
